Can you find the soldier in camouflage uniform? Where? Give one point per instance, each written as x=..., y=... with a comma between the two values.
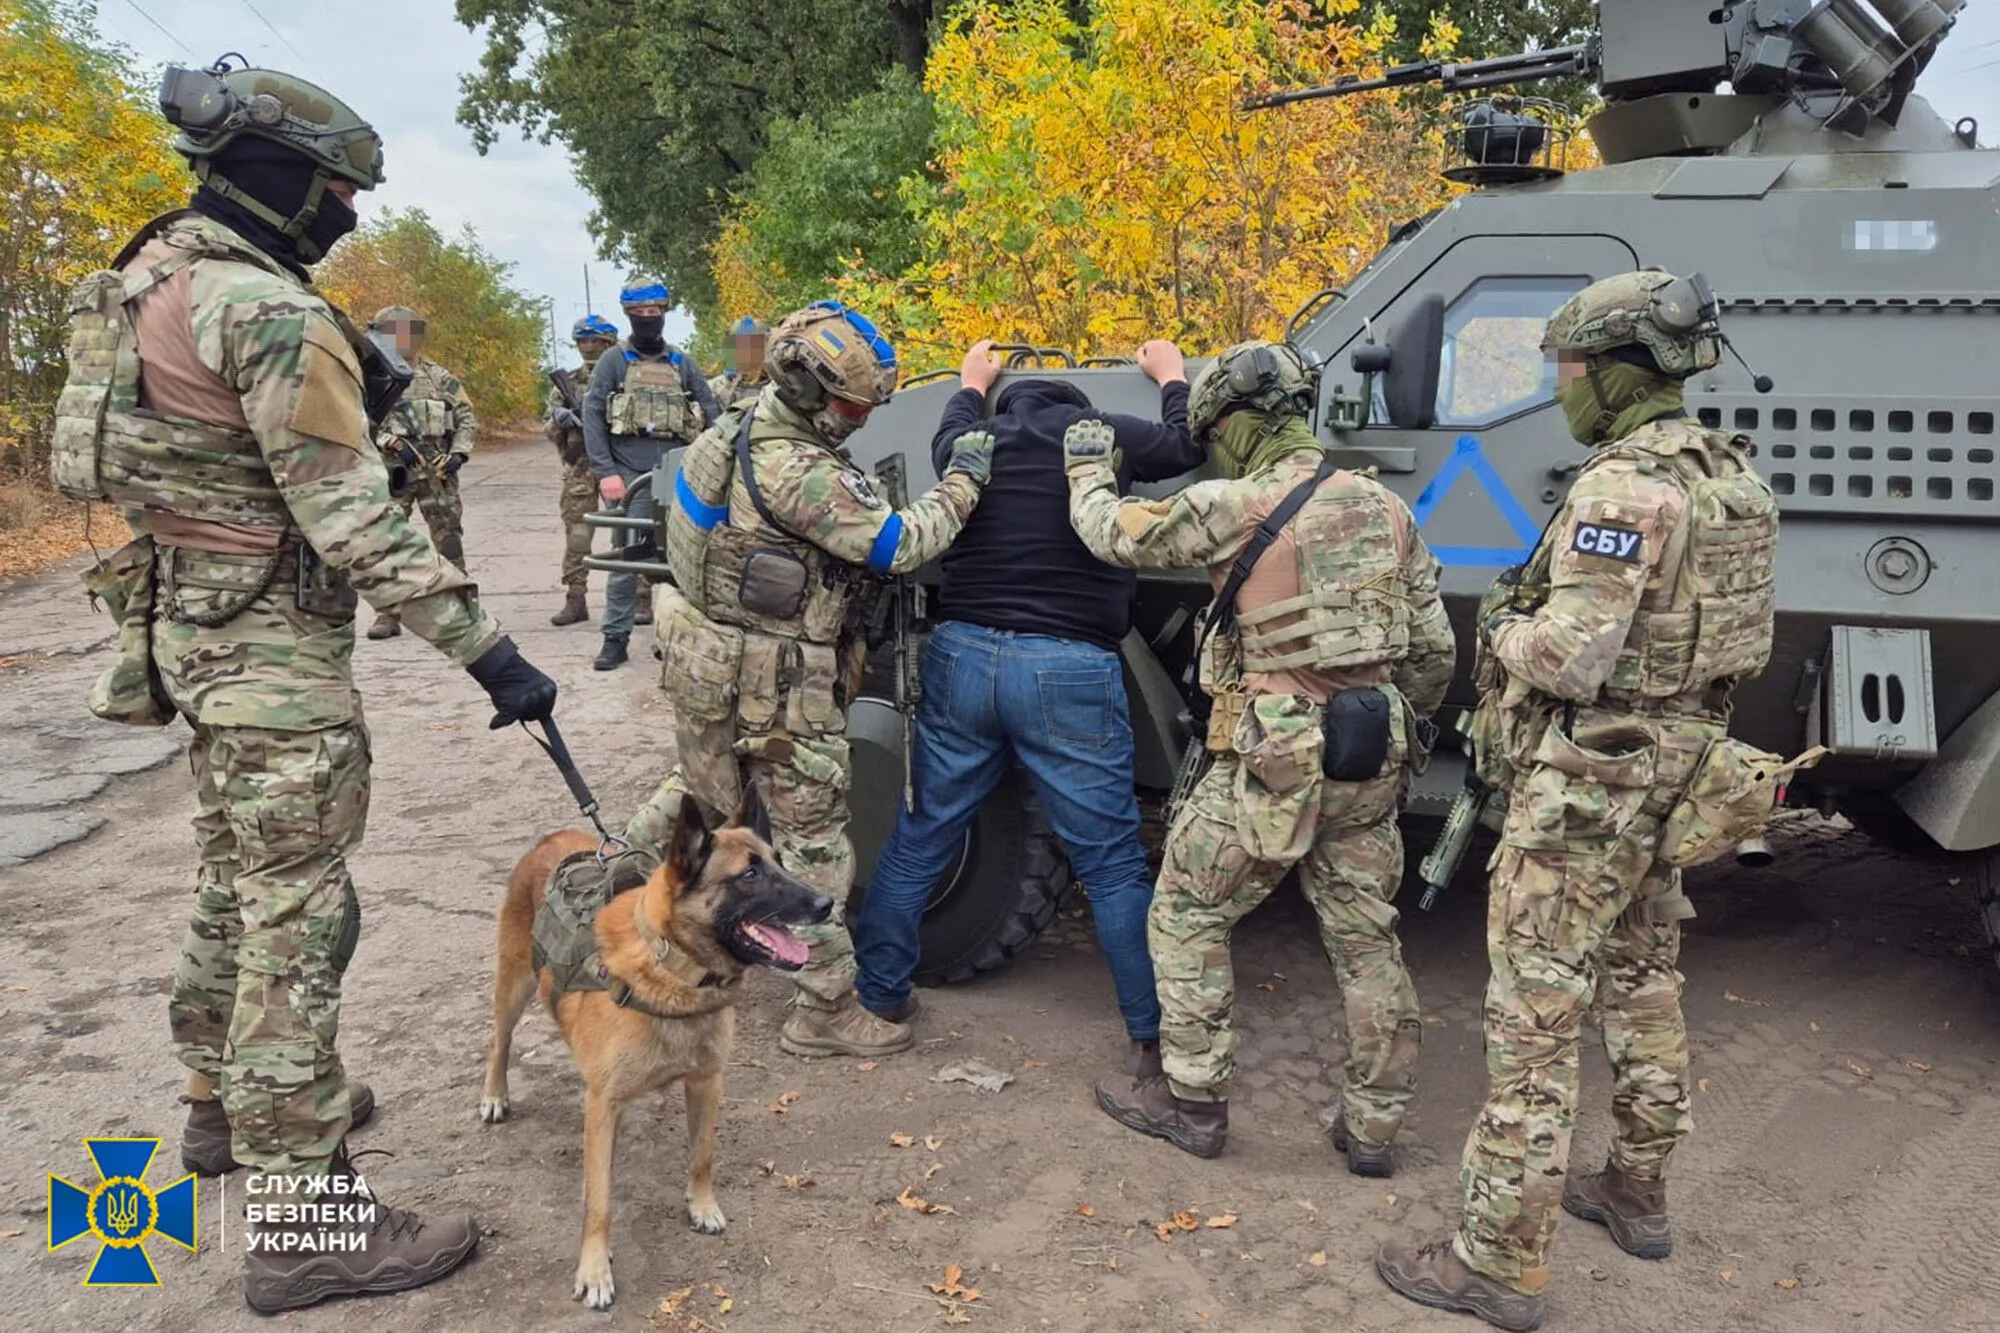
x=218, y=399
x=426, y=438
x=1605, y=672
x=594, y=336
x=1340, y=618
x=776, y=539
x=746, y=378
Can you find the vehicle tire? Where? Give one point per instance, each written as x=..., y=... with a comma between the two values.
x=1887, y=826
x=1986, y=890
x=1001, y=887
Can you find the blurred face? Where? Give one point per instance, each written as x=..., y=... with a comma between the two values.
x=409, y=336
x=1570, y=366
x=749, y=354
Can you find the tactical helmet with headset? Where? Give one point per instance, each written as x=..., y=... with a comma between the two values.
x=215, y=107
x=1267, y=377
x=593, y=326
x=1674, y=320
x=827, y=351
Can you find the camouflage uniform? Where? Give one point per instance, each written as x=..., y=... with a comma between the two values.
x=761, y=692
x=1605, y=679
x=731, y=388
x=214, y=627
x=1372, y=617
x=579, y=489
x=435, y=420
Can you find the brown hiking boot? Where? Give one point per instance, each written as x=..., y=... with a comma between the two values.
x=1146, y=1059
x=575, y=609
x=848, y=1030
x=1149, y=1106
x=347, y=1244
x=1635, y=1210
x=643, y=614
x=1364, y=1156
x=205, y=1138
x=386, y=627
x=1431, y=1273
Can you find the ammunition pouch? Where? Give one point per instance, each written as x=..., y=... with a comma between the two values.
x=130, y=690
x=1730, y=797
x=701, y=661
x=1225, y=711
x=775, y=582
x=1358, y=726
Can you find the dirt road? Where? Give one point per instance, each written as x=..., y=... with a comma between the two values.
x=1843, y=1010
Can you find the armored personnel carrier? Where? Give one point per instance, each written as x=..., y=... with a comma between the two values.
x=1850, y=235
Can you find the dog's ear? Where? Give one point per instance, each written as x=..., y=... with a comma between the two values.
x=751, y=813
x=687, y=852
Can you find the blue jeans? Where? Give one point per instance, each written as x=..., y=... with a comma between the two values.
x=621, y=589
x=1057, y=706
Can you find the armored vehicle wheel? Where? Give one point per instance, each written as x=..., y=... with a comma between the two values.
x=1001, y=887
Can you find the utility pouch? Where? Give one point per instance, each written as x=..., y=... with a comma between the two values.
x=701, y=661
x=319, y=589
x=1358, y=726
x=1730, y=797
x=1225, y=711
x=130, y=690
x=774, y=583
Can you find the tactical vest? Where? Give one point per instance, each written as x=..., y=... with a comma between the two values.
x=653, y=401
x=104, y=448
x=1710, y=619
x=422, y=418
x=735, y=563
x=1353, y=605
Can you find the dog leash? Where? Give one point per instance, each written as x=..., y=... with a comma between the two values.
x=609, y=844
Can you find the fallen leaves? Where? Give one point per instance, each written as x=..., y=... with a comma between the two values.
x=784, y=1103
x=917, y=1203
x=1034, y=1064
x=900, y=1140
x=1860, y=1071
x=1085, y=1210
x=933, y=1169
x=1788, y=1282
x=1317, y=1258
x=952, y=1288
x=867, y=1065
x=1734, y=998
x=1265, y=985
x=933, y=1142
x=1729, y=1277
x=1225, y=1220
x=1701, y=1085
x=690, y=1322
x=9, y=1235
x=1180, y=1221
x=800, y=1182
x=1919, y=1066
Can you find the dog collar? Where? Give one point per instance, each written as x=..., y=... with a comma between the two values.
x=676, y=961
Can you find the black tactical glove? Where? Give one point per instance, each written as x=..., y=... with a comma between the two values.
x=520, y=692
x=453, y=464
x=565, y=419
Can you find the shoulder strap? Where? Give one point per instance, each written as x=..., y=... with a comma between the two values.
x=757, y=502
x=1224, y=613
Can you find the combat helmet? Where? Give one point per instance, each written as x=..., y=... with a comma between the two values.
x=1673, y=319
x=644, y=289
x=395, y=314
x=215, y=107
x=750, y=327
x=1269, y=377
x=593, y=326
x=828, y=351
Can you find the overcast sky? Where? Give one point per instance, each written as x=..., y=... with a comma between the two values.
x=397, y=62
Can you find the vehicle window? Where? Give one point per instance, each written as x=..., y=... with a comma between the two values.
x=1493, y=363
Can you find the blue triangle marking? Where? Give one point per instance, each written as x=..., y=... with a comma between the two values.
x=1467, y=457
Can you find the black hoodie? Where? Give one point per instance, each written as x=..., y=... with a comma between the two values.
x=1019, y=565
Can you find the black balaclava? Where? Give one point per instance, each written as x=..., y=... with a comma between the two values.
x=279, y=178
x=646, y=333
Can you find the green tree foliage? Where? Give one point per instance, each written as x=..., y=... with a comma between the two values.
x=666, y=104
x=1488, y=28
x=84, y=163
x=827, y=193
x=479, y=328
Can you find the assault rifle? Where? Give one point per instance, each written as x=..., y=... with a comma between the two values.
x=566, y=390
x=1440, y=864
x=907, y=611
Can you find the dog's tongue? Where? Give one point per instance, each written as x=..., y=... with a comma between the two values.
x=782, y=944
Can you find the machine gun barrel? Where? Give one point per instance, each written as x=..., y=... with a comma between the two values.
x=1554, y=63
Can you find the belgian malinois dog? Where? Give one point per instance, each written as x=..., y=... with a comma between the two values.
x=681, y=944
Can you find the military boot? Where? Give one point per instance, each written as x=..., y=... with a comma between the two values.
x=848, y=1030
x=901, y=1013
x=1635, y=1210
x=611, y=656
x=1364, y=1157
x=574, y=611
x=1148, y=1105
x=1431, y=1273
x=386, y=626
x=1146, y=1059
x=354, y=1245
x=643, y=614
x=205, y=1138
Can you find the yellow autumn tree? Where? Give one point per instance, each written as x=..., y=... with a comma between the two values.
x=84, y=163
x=1096, y=183
x=477, y=326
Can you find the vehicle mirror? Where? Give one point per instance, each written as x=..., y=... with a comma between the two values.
x=1416, y=352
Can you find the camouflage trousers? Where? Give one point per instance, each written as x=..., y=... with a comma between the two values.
x=1578, y=913
x=579, y=497
x=802, y=780
x=444, y=514
x=255, y=1003
x=1350, y=867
